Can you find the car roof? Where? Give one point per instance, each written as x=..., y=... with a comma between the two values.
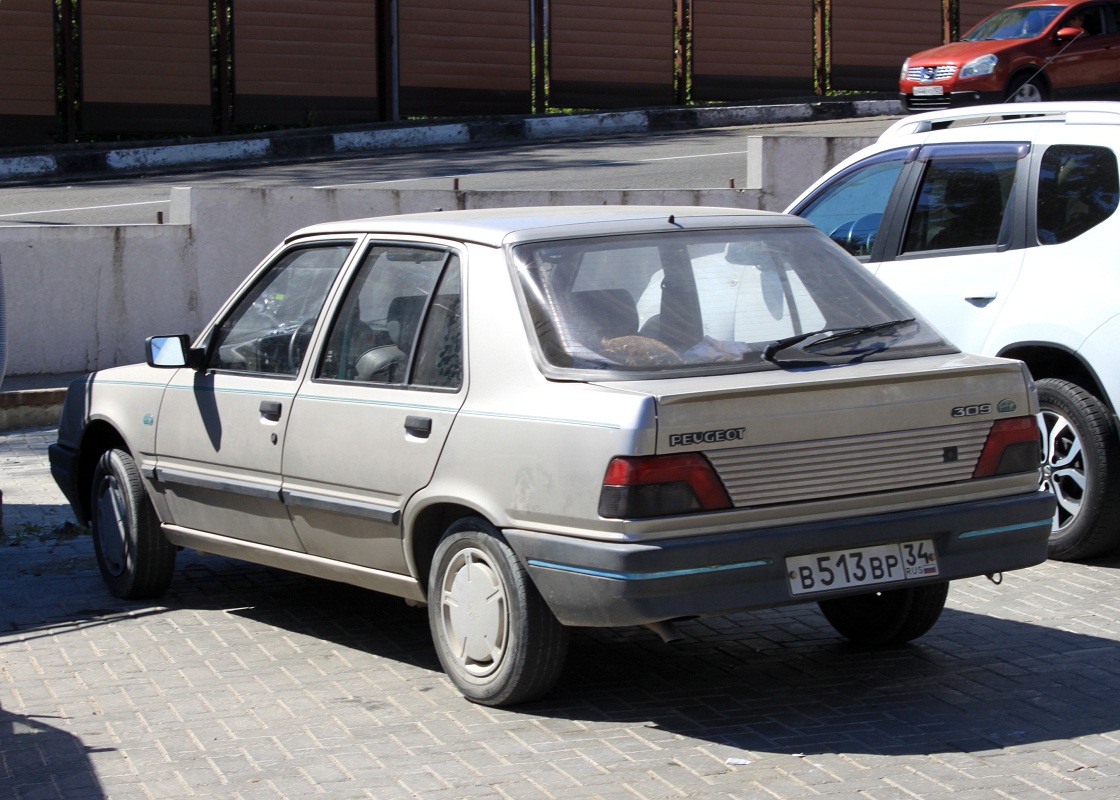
x=1041, y=3
x=498, y=226
x=1006, y=116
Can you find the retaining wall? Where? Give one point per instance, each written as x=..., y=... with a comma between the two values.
x=81, y=298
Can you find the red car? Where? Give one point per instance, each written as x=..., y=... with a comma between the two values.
x=1029, y=52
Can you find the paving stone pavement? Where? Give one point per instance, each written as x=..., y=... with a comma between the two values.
x=246, y=682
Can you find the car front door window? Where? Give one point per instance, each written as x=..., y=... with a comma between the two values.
x=268, y=330
x=851, y=209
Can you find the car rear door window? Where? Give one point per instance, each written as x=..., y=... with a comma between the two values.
x=961, y=203
x=1078, y=188
x=400, y=321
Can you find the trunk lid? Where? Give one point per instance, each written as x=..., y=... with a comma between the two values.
x=785, y=436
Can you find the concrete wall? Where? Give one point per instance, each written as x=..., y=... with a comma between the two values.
x=81, y=298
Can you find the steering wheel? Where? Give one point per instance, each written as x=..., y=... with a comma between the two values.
x=297, y=344
x=858, y=235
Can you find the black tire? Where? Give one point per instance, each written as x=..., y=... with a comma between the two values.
x=1026, y=89
x=888, y=617
x=494, y=634
x=1081, y=465
x=135, y=558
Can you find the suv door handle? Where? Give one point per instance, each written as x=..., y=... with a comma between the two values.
x=420, y=427
x=981, y=299
x=270, y=410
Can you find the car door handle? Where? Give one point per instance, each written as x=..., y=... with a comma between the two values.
x=981, y=298
x=418, y=426
x=270, y=410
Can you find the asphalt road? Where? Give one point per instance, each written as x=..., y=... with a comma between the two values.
x=680, y=160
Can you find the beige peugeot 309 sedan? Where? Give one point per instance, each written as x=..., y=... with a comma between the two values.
x=535, y=419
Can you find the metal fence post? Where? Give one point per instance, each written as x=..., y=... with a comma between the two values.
x=822, y=46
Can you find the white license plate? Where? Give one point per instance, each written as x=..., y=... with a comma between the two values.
x=864, y=566
x=928, y=91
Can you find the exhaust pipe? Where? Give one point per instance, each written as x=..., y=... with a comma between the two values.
x=667, y=630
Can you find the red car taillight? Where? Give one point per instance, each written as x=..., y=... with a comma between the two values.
x=656, y=486
x=1013, y=445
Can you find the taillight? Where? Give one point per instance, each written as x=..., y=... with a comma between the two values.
x=1013, y=445
x=656, y=486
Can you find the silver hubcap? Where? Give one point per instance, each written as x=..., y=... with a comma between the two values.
x=1027, y=93
x=1063, y=467
x=112, y=525
x=475, y=612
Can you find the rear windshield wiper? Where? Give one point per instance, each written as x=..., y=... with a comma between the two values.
x=846, y=341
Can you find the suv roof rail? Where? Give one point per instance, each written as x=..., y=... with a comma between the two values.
x=1083, y=113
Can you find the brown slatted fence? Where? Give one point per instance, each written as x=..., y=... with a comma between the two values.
x=871, y=39
x=972, y=11
x=611, y=55
x=301, y=63
x=751, y=49
x=146, y=66
x=28, y=112
x=464, y=57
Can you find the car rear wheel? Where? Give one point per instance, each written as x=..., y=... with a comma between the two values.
x=1025, y=89
x=1081, y=466
x=134, y=556
x=887, y=617
x=496, y=637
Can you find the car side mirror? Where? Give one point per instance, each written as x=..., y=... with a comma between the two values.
x=1065, y=34
x=172, y=352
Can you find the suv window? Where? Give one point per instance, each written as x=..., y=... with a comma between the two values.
x=960, y=203
x=1078, y=188
x=374, y=337
x=851, y=208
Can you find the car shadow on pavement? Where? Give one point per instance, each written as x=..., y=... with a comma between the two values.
x=783, y=682
x=776, y=681
x=40, y=760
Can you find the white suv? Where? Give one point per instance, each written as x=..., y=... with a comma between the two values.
x=1002, y=231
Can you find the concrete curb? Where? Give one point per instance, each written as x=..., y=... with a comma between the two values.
x=75, y=160
x=30, y=408
x=33, y=401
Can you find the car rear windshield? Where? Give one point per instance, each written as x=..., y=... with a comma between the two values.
x=711, y=301
x=1014, y=23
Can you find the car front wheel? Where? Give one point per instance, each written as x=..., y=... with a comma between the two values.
x=134, y=556
x=891, y=616
x=1025, y=90
x=495, y=635
x=1081, y=466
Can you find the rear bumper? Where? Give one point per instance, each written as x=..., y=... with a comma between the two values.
x=607, y=584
